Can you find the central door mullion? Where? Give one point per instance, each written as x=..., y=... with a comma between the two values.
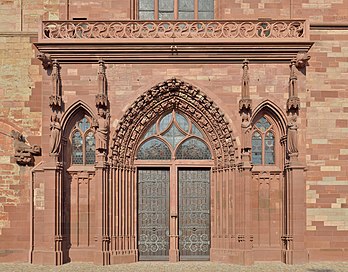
x=174, y=243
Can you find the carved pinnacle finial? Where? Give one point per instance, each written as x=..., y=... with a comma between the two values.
x=101, y=99
x=56, y=98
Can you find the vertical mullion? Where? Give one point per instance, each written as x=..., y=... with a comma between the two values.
x=176, y=9
x=196, y=9
x=156, y=9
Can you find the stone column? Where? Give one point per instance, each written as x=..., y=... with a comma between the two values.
x=294, y=251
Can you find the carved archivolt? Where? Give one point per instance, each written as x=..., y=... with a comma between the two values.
x=164, y=97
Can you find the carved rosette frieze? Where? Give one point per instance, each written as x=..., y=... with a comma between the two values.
x=55, y=100
x=164, y=97
x=24, y=153
x=256, y=29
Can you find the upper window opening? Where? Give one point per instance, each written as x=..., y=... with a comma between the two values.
x=173, y=135
x=263, y=141
x=83, y=143
x=175, y=9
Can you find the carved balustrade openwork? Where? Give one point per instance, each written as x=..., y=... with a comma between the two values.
x=79, y=30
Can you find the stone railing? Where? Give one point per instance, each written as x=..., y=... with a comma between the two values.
x=141, y=30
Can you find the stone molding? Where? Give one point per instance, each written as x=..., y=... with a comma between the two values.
x=163, y=97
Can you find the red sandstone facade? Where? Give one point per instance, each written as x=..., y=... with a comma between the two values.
x=126, y=140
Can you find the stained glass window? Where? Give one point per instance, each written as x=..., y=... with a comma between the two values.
x=175, y=9
x=263, y=124
x=172, y=134
x=77, y=148
x=154, y=149
x=263, y=142
x=193, y=149
x=257, y=148
x=90, y=148
x=83, y=143
x=269, y=148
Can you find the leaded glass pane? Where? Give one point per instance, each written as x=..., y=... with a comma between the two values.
x=84, y=124
x=263, y=124
x=186, y=5
x=154, y=149
x=146, y=5
x=150, y=132
x=166, y=5
x=205, y=15
x=189, y=15
x=269, y=148
x=90, y=148
x=146, y=15
x=165, y=122
x=196, y=131
x=206, y=5
x=77, y=148
x=173, y=136
x=193, y=149
x=256, y=148
x=165, y=15
x=182, y=122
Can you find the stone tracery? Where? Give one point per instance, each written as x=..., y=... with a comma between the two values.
x=170, y=94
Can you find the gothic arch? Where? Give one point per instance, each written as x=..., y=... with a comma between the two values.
x=76, y=109
x=163, y=97
x=272, y=110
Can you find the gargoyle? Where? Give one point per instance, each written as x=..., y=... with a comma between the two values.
x=24, y=153
x=45, y=59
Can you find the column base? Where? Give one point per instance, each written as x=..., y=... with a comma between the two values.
x=295, y=256
x=120, y=258
x=174, y=255
x=47, y=257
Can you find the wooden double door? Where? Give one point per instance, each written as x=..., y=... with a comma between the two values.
x=174, y=213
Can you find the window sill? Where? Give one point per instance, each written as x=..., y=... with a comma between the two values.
x=81, y=168
x=266, y=168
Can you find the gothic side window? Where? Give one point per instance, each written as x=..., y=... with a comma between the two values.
x=173, y=136
x=263, y=141
x=83, y=143
x=175, y=9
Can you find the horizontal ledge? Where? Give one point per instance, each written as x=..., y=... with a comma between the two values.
x=329, y=26
x=162, y=53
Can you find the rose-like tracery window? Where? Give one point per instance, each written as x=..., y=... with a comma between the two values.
x=263, y=142
x=173, y=136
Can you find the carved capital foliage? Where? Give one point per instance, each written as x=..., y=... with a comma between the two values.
x=24, y=153
x=164, y=97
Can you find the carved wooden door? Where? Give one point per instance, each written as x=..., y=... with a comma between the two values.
x=194, y=214
x=153, y=214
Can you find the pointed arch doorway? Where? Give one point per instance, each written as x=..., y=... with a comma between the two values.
x=173, y=168
x=171, y=144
